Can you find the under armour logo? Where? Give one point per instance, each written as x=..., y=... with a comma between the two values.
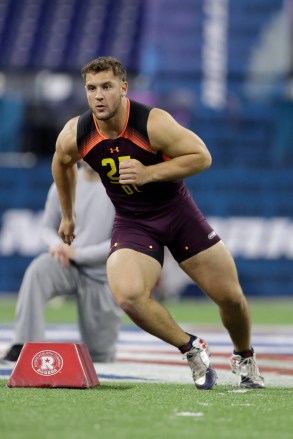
x=112, y=150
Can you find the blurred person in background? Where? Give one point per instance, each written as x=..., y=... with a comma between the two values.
x=142, y=154
x=77, y=271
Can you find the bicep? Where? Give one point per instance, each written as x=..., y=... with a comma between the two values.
x=171, y=138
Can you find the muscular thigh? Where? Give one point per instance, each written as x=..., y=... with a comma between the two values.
x=132, y=273
x=139, y=235
x=191, y=233
x=214, y=271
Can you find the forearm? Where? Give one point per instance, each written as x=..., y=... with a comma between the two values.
x=178, y=168
x=65, y=177
x=134, y=172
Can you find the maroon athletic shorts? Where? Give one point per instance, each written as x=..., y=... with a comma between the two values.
x=180, y=226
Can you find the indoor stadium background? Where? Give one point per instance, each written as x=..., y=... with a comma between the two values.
x=223, y=68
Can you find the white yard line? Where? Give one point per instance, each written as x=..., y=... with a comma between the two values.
x=141, y=357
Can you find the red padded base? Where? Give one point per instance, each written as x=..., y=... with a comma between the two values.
x=54, y=365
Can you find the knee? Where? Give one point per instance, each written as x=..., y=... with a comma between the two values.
x=229, y=294
x=233, y=299
x=39, y=264
x=128, y=303
x=42, y=261
x=129, y=299
x=39, y=271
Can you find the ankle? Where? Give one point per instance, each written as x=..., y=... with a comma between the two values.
x=187, y=346
x=248, y=353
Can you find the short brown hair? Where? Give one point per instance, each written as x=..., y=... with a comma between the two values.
x=105, y=63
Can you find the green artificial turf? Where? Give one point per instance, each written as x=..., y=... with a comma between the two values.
x=127, y=410
x=263, y=311
x=145, y=411
x=200, y=311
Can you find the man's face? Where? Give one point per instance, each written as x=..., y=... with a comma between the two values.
x=104, y=93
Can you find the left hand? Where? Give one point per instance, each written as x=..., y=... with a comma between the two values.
x=133, y=171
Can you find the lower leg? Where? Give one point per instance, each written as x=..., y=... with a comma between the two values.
x=214, y=271
x=132, y=276
x=236, y=319
x=154, y=318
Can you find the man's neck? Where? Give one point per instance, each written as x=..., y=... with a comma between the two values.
x=113, y=127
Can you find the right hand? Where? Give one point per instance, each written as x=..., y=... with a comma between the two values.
x=66, y=230
x=63, y=254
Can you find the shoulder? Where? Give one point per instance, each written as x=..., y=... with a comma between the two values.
x=162, y=128
x=69, y=130
x=159, y=116
x=67, y=137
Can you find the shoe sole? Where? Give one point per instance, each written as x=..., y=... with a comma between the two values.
x=247, y=383
x=252, y=386
x=211, y=379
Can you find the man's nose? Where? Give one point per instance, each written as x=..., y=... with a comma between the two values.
x=99, y=95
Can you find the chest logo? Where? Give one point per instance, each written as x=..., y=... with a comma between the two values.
x=112, y=150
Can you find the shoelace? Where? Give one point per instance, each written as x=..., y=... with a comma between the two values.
x=190, y=353
x=251, y=367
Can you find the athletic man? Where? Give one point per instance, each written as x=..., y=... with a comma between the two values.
x=77, y=271
x=142, y=154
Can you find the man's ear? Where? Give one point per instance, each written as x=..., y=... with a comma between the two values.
x=124, y=89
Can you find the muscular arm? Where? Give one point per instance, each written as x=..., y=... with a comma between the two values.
x=187, y=152
x=64, y=172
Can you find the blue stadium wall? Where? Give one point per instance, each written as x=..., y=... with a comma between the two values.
x=251, y=210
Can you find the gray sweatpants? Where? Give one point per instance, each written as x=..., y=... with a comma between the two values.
x=98, y=314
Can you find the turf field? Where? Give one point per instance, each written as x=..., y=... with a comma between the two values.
x=149, y=395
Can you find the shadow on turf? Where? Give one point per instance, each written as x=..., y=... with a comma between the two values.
x=111, y=387
x=102, y=387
